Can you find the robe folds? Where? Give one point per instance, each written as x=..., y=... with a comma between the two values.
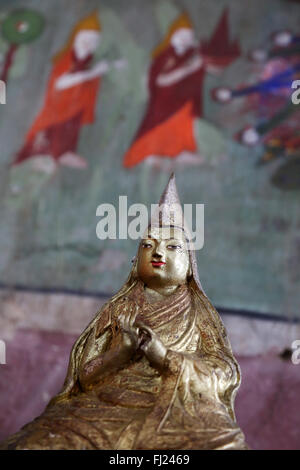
x=167, y=129
x=186, y=405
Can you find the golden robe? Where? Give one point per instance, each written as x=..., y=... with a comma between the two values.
x=187, y=405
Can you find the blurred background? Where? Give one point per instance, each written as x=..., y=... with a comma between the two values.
x=106, y=98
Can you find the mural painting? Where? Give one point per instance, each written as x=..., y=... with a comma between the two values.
x=148, y=90
x=176, y=77
x=270, y=100
x=70, y=101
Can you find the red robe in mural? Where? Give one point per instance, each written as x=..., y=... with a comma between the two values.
x=167, y=128
x=56, y=129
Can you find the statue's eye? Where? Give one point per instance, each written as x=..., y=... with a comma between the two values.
x=174, y=247
x=146, y=245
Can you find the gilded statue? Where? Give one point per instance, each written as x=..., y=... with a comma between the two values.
x=154, y=369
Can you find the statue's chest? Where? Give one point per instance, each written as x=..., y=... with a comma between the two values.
x=176, y=329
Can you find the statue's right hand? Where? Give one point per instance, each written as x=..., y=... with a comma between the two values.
x=130, y=333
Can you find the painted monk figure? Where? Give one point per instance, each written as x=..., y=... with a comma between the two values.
x=154, y=369
x=176, y=81
x=70, y=100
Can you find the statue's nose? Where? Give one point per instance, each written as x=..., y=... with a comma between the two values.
x=158, y=253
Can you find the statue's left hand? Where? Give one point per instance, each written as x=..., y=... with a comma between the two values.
x=152, y=346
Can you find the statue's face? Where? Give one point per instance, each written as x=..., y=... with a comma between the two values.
x=163, y=258
x=86, y=42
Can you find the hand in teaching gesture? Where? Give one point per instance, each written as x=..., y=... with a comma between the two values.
x=151, y=345
x=129, y=331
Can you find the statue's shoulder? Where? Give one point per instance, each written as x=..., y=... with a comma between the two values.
x=102, y=319
x=110, y=311
x=119, y=303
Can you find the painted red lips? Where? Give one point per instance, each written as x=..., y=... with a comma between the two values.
x=157, y=263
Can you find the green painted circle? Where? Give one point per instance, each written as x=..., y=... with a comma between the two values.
x=22, y=26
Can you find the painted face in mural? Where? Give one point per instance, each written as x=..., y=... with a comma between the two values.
x=282, y=38
x=182, y=40
x=86, y=42
x=163, y=259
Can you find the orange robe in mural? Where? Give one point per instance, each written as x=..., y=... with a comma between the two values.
x=56, y=129
x=168, y=126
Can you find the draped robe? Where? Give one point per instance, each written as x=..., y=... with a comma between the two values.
x=186, y=405
x=167, y=128
x=64, y=111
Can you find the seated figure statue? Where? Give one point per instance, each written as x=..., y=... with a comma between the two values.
x=154, y=369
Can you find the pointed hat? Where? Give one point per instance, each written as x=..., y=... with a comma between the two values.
x=168, y=212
